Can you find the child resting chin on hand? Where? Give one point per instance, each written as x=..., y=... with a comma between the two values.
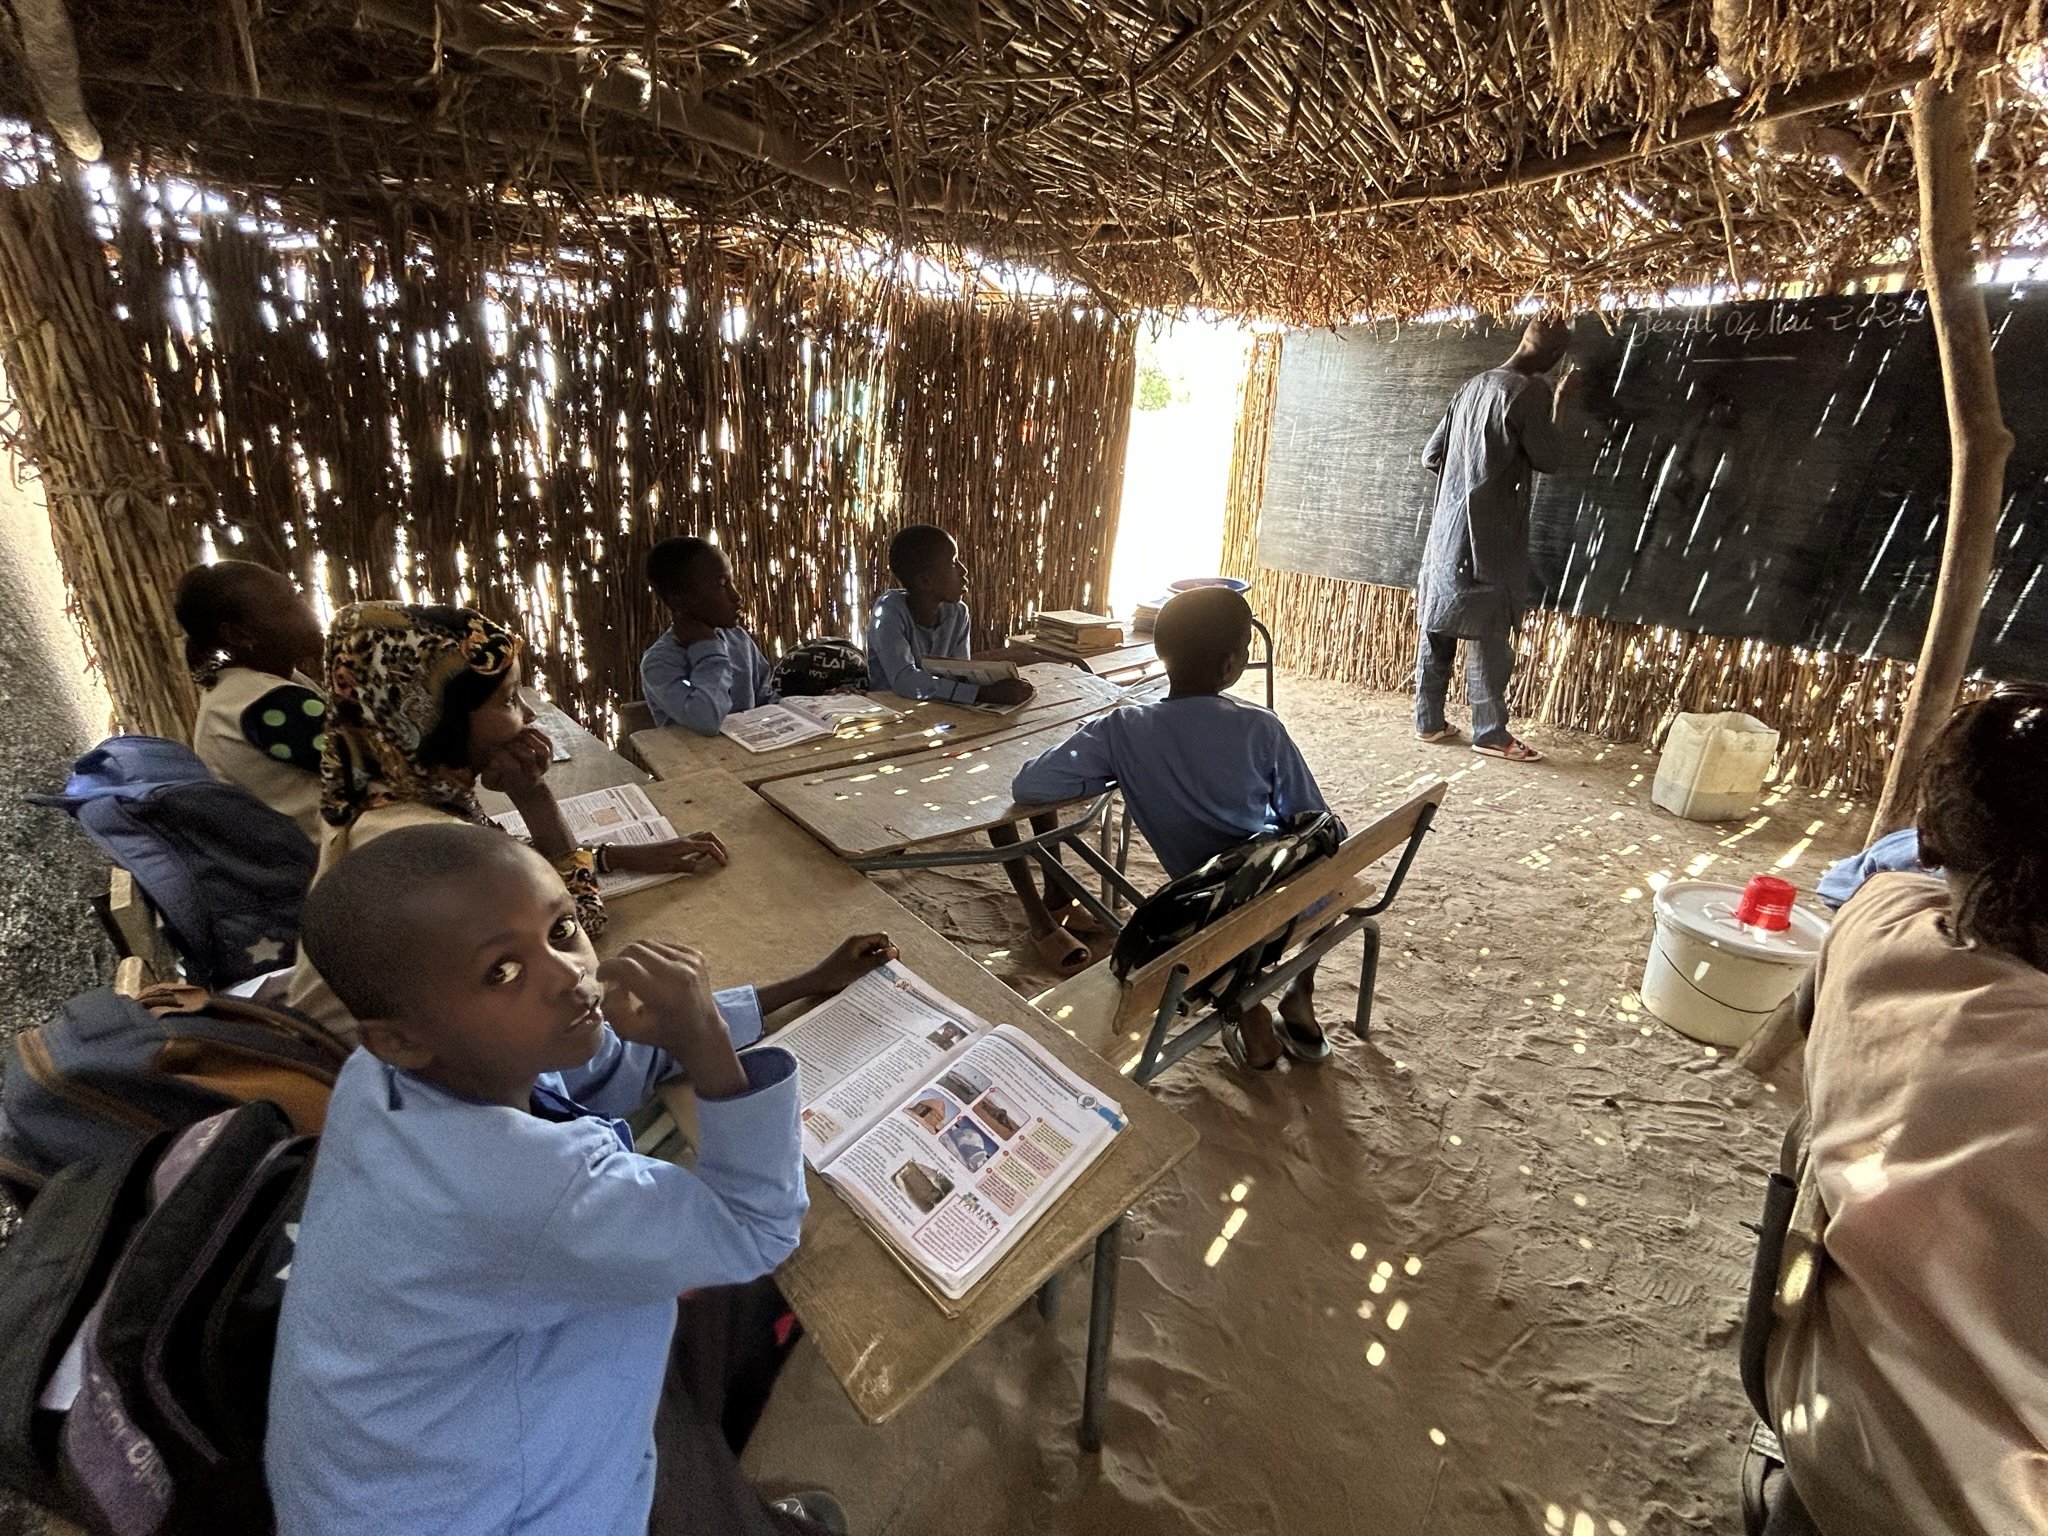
x=476, y=1336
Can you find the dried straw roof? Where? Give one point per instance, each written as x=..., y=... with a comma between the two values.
x=1301, y=159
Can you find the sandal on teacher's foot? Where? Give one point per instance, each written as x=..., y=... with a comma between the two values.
x=1067, y=955
x=1512, y=750
x=1443, y=736
x=1309, y=1049
x=1234, y=1044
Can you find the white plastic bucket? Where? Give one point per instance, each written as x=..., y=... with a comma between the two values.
x=1713, y=766
x=1713, y=978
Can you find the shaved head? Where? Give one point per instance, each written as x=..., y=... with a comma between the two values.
x=366, y=922
x=1199, y=633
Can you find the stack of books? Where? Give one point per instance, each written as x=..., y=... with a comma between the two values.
x=1145, y=616
x=1074, y=633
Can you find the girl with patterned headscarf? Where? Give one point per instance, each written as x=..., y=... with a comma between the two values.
x=424, y=706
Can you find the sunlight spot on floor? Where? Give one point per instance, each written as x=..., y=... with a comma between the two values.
x=1436, y=1437
x=1375, y=1353
x=1358, y=1250
x=1413, y=1266
x=1397, y=1314
x=1791, y=856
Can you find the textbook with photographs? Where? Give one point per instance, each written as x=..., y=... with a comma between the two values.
x=620, y=815
x=794, y=721
x=948, y=1135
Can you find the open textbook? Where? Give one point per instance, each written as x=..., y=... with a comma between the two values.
x=979, y=673
x=620, y=815
x=791, y=721
x=948, y=1135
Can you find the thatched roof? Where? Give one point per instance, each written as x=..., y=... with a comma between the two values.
x=1303, y=159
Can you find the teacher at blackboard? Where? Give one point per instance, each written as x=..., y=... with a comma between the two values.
x=1474, y=583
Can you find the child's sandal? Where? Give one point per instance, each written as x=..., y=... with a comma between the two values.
x=1233, y=1045
x=1308, y=1049
x=1067, y=955
x=1082, y=923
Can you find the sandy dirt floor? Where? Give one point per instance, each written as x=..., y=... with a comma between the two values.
x=1480, y=1273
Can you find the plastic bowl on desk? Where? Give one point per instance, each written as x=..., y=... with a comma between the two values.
x=1194, y=583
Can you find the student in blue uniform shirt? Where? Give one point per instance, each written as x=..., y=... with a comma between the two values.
x=925, y=618
x=1201, y=772
x=704, y=666
x=478, y=1320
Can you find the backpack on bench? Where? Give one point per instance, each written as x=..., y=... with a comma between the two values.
x=138, y=1316
x=1235, y=878
x=110, y=1071
x=224, y=871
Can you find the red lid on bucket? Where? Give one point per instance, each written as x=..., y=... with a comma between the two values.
x=1766, y=903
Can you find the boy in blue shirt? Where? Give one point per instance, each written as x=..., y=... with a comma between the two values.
x=924, y=617
x=1201, y=772
x=704, y=666
x=480, y=1308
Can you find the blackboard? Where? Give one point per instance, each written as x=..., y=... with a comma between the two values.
x=1770, y=470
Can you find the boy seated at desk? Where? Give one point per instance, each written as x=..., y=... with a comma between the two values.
x=484, y=1291
x=1201, y=772
x=924, y=619
x=704, y=666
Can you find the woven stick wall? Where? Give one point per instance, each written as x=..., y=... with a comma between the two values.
x=89, y=423
x=1836, y=714
x=433, y=417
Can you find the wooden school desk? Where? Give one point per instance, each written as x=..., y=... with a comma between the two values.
x=784, y=903
x=872, y=809
x=1063, y=693
x=889, y=815
x=1131, y=662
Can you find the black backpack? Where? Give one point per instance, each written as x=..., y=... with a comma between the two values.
x=224, y=871
x=821, y=666
x=151, y=1284
x=110, y=1071
x=1234, y=878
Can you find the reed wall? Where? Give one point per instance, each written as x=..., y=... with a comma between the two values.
x=418, y=412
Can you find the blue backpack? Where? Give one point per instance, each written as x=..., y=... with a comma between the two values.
x=225, y=872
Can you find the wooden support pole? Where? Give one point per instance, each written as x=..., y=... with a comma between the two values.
x=1978, y=440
